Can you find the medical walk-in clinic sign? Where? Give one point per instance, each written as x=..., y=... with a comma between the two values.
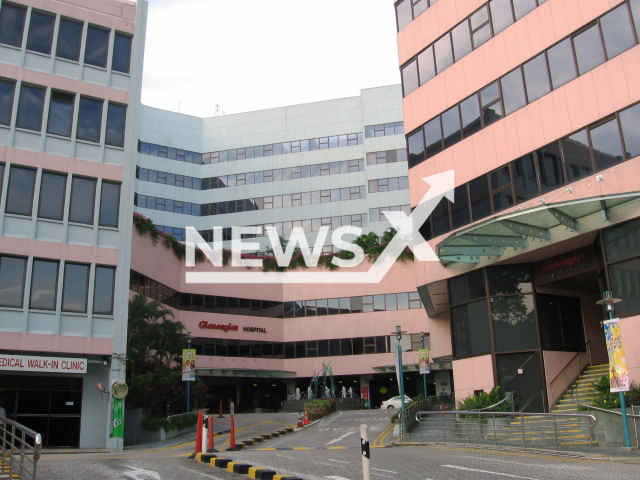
x=618, y=371
x=28, y=363
x=408, y=235
x=188, y=365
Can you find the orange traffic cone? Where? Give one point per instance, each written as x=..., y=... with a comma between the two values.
x=299, y=420
x=306, y=417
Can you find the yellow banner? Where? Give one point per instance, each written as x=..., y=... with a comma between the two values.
x=618, y=371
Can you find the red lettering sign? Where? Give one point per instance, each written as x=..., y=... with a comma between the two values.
x=212, y=326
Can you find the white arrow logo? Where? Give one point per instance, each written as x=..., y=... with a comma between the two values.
x=141, y=474
x=442, y=185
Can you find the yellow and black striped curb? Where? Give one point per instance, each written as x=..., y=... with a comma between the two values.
x=263, y=437
x=242, y=468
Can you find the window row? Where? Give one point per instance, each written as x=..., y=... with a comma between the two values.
x=220, y=347
x=407, y=10
x=248, y=205
x=51, y=199
x=388, y=184
x=592, y=45
x=622, y=248
x=264, y=308
x=62, y=106
x=388, y=156
x=68, y=45
x=384, y=129
x=489, y=20
x=284, y=148
x=252, y=178
x=601, y=145
x=377, y=215
x=49, y=275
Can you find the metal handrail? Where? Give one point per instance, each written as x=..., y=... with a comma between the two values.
x=597, y=408
x=513, y=414
x=195, y=412
x=22, y=454
x=507, y=396
x=576, y=356
x=405, y=418
x=588, y=350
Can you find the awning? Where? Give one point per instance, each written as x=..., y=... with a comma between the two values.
x=226, y=372
x=516, y=230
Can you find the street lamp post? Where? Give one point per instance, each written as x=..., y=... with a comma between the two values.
x=399, y=372
x=424, y=375
x=608, y=302
x=188, y=383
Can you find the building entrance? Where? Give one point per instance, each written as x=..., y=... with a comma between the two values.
x=51, y=406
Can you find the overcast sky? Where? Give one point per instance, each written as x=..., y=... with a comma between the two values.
x=255, y=54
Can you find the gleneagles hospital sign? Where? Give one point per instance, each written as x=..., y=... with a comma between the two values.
x=442, y=185
x=229, y=328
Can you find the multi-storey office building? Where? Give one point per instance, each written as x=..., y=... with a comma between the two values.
x=69, y=99
x=333, y=163
x=534, y=105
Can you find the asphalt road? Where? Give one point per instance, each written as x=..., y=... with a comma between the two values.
x=330, y=450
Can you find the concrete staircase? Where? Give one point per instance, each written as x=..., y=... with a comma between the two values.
x=583, y=391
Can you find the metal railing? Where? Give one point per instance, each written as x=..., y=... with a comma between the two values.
x=20, y=448
x=573, y=361
x=507, y=396
x=195, y=412
x=409, y=419
x=514, y=429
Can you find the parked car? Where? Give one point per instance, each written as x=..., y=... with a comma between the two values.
x=395, y=402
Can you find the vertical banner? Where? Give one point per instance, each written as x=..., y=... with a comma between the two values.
x=117, y=418
x=398, y=371
x=364, y=392
x=618, y=371
x=189, y=365
x=423, y=361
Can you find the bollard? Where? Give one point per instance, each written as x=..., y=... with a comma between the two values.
x=366, y=453
x=306, y=417
x=299, y=420
x=199, y=429
x=220, y=416
x=210, y=447
x=232, y=437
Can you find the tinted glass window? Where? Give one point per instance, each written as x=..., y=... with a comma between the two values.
x=6, y=101
x=74, y=293
x=577, y=157
x=509, y=280
x=44, y=280
x=480, y=202
x=522, y=7
x=440, y=218
x=83, y=193
x=30, y=108
x=514, y=323
x=96, y=47
x=404, y=14
x=470, y=325
x=109, y=204
x=528, y=386
x=415, y=145
x=433, y=137
x=89, y=119
x=624, y=281
x=524, y=178
x=461, y=37
x=12, y=273
x=622, y=241
x=470, y=111
x=451, y=127
x=20, y=194
x=513, y=91
x=115, y=125
x=460, y=207
x=443, y=53
x=60, y=114
x=635, y=10
x=426, y=66
x=550, y=168
x=501, y=15
x=630, y=121
x=561, y=63
x=40, y=33
x=52, y=188
x=103, y=292
x=69, y=38
x=121, y=53
x=616, y=31
x=410, y=77
x=12, y=24
x=589, y=51
x=503, y=199
x=607, y=150
x=536, y=78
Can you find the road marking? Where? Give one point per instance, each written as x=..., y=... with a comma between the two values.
x=200, y=473
x=381, y=470
x=336, y=448
x=380, y=475
x=486, y=471
x=137, y=473
x=284, y=456
x=379, y=440
x=339, y=461
x=329, y=464
x=340, y=438
x=300, y=448
x=337, y=478
x=559, y=467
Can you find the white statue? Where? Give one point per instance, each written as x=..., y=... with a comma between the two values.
x=327, y=394
x=309, y=393
x=352, y=393
x=344, y=392
x=297, y=394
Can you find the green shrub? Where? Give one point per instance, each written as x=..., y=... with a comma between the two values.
x=319, y=408
x=484, y=400
x=415, y=399
x=153, y=424
x=607, y=400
